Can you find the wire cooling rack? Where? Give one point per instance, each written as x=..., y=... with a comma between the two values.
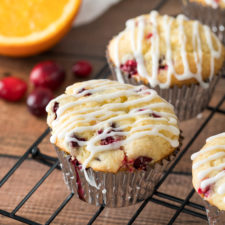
x=177, y=204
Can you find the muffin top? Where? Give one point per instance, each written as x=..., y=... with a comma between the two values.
x=208, y=170
x=213, y=3
x=110, y=126
x=166, y=51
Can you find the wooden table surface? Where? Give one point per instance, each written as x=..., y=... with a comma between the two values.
x=19, y=129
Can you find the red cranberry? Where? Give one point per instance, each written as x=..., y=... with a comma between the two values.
x=12, y=88
x=113, y=125
x=163, y=67
x=109, y=140
x=100, y=131
x=82, y=90
x=142, y=162
x=38, y=100
x=127, y=163
x=78, y=138
x=140, y=110
x=47, y=74
x=75, y=162
x=88, y=94
x=155, y=115
x=162, y=64
x=55, y=108
x=130, y=67
x=148, y=36
x=82, y=69
x=77, y=166
x=204, y=192
x=74, y=144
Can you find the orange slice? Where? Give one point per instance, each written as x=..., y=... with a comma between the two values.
x=28, y=27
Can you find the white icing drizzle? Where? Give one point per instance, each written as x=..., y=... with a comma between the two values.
x=215, y=136
x=210, y=148
x=202, y=174
x=139, y=24
x=117, y=61
x=69, y=117
x=212, y=180
x=212, y=157
x=218, y=171
x=221, y=189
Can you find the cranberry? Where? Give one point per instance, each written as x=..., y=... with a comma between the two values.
x=130, y=67
x=75, y=162
x=78, y=138
x=12, y=88
x=155, y=115
x=82, y=90
x=82, y=69
x=204, y=192
x=148, y=36
x=127, y=163
x=100, y=131
x=47, y=74
x=74, y=144
x=162, y=63
x=141, y=162
x=55, y=108
x=80, y=191
x=113, y=125
x=38, y=100
x=109, y=140
x=140, y=110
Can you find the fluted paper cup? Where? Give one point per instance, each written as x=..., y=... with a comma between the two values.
x=215, y=216
x=121, y=189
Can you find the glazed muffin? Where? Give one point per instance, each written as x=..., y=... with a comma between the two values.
x=108, y=133
x=208, y=172
x=210, y=12
x=176, y=56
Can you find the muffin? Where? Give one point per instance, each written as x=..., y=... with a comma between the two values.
x=113, y=140
x=208, y=171
x=177, y=57
x=211, y=12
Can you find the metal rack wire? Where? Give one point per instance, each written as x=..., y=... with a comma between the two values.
x=177, y=204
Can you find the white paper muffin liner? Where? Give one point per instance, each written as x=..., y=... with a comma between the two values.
x=188, y=100
x=214, y=17
x=116, y=190
x=215, y=216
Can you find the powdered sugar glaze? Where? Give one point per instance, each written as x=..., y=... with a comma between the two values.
x=136, y=44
